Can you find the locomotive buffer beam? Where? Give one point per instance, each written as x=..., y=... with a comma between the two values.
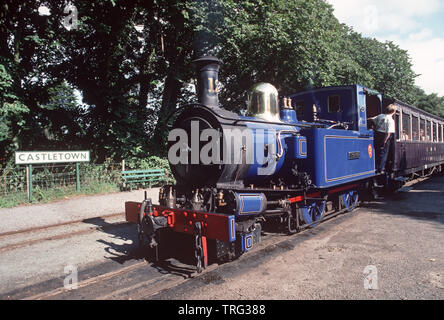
x=214, y=226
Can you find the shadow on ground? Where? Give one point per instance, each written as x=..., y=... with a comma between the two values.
x=174, y=255
x=422, y=201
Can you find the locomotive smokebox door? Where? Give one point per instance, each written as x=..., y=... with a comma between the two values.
x=207, y=69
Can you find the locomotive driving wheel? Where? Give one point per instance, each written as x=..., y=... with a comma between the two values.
x=350, y=200
x=313, y=212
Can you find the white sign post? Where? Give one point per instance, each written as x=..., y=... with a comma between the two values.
x=43, y=157
x=40, y=157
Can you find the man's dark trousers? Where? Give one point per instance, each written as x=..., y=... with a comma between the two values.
x=381, y=150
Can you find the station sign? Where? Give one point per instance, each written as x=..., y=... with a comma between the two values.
x=40, y=157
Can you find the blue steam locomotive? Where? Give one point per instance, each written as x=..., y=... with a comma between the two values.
x=288, y=162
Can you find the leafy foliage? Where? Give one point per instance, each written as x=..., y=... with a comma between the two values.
x=429, y=102
x=11, y=112
x=131, y=62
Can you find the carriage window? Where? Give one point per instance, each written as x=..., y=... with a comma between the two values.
x=299, y=107
x=415, y=128
x=434, y=129
x=334, y=104
x=406, y=134
x=397, y=126
x=440, y=133
x=422, y=134
x=429, y=131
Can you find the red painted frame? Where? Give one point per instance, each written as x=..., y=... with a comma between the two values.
x=214, y=226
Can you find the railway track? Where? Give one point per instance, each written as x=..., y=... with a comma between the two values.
x=144, y=280
x=46, y=227
x=20, y=238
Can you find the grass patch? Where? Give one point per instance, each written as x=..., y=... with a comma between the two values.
x=13, y=199
x=57, y=193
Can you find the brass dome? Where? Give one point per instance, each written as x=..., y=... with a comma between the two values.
x=263, y=102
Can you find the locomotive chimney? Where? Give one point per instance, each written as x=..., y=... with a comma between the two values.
x=207, y=68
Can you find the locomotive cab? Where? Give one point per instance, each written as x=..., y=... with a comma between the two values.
x=341, y=150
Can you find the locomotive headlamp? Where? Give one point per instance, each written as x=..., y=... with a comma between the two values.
x=263, y=102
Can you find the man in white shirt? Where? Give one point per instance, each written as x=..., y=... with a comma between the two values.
x=384, y=130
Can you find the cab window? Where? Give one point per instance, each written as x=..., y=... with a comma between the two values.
x=334, y=104
x=299, y=107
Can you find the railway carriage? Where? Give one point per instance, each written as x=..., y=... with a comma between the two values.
x=418, y=148
x=291, y=161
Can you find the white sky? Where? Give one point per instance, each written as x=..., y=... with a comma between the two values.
x=416, y=26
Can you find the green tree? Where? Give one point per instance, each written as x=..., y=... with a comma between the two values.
x=126, y=66
x=294, y=45
x=29, y=53
x=63, y=119
x=389, y=66
x=11, y=111
x=131, y=61
x=428, y=102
